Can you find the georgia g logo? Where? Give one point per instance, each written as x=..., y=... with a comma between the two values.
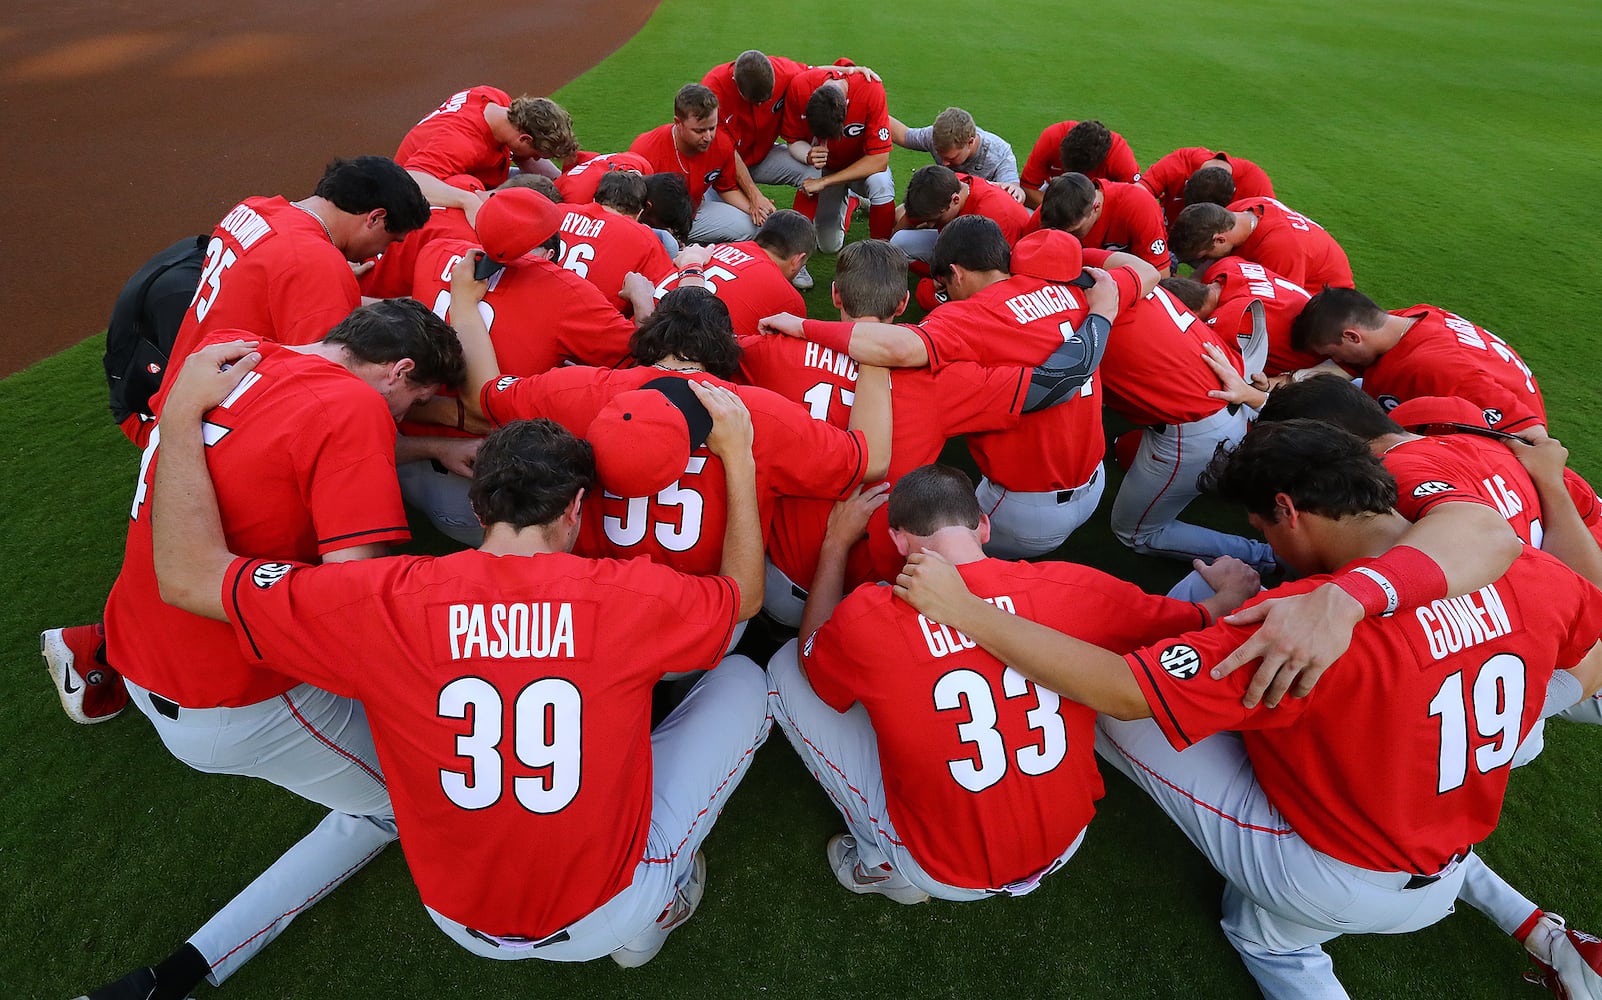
x=713, y=175
x=267, y=574
x=505, y=382
x=1389, y=402
x=855, y=129
x=1493, y=416
x=1181, y=662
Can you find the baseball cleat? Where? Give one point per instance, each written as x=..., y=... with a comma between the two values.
x=89, y=689
x=139, y=984
x=650, y=941
x=803, y=279
x=884, y=880
x=1569, y=961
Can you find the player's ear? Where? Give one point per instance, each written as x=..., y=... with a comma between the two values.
x=902, y=542
x=905, y=298
x=377, y=218
x=1285, y=511
x=834, y=295
x=984, y=529
x=574, y=509
x=402, y=368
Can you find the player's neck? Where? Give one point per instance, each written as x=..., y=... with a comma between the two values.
x=674, y=363
x=958, y=544
x=501, y=539
x=1385, y=442
x=1359, y=536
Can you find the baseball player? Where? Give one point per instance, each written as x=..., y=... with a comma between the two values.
x=579, y=182
x=692, y=147
x=955, y=141
x=508, y=709
x=841, y=125
x=604, y=241
x=1105, y=214
x=956, y=777
x=303, y=454
x=1422, y=351
x=1221, y=292
x=469, y=143
x=1166, y=178
x=754, y=278
x=937, y=194
x=1449, y=686
x=1086, y=147
x=1266, y=232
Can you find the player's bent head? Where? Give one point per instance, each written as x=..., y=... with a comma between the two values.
x=1066, y=201
x=972, y=242
x=932, y=497
x=1329, y=314
x=668, y=205
x=1085, y=147
x=693, y=325
x=364, y=183
x=390, y=330
x=1322, y=469
x=546, y=123
x=534, y=182
x=787, y=233
x=953, y=129
x=826, y=112
x=1210, y=186
x=1333, y=400
x=622, y=191
x=870, y=280
x=753, y=76
x=528, y=472
x=1190, y=292
x=930, y=191
x=694, y=100
x=1191, y=235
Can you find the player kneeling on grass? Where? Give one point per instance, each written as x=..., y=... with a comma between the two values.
x=957, y=777
x=1319, y=833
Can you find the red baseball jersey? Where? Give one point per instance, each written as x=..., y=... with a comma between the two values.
x=1045, y=160
x=511, y=713
x=1443, y=354
x=455, y=139
x=302, y=456
x=1241, y=281
x=539, y=315
x=754, y=128
x=1153, y=369
x=602, y=247
x=682, y=525
x=867, y=123
x=712, y=169
x=928, y=409
x=1434, y=699
x=577, y=186
x=1166, y=178
x=1464, y=467
x=270, y=269
x=1129, y=221
x=391, y=275
x=988, y=778
x=994, y=203
x=747, y=280
x=1293, y=246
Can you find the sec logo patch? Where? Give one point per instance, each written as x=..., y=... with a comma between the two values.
x=267, y=574
x=884, y=135
x=1181, y=662
x=1158, y=246
x=1431, y=488
x=855, y=129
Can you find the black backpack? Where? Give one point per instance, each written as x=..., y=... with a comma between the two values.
x=144, y=324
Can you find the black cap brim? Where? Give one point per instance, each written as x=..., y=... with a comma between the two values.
x=679, y=393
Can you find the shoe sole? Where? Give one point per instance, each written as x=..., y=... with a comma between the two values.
x=58, y=659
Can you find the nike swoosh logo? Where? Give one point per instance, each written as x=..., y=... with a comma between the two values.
x=66, y=680
x=863, y=878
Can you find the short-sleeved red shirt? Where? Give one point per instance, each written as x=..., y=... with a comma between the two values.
x=1433, y=700
x=1130, y=221
x=988, y=778
x=391, y=275
x=753, y=127
x=747, y=280
x=1293, y=246
x=867, y=124
x=456, y=139
x=1045, y=159
x=994, y=203
x=578, y=184
x=511, y=713
x=683, y=525
x=1443, y=354
x=1153, y=369
x=302, y=456
x=1240, y=281
x=1166, y=178
x=1464, y=467
x=269, y=269
x=712, y=169
x=602, y=247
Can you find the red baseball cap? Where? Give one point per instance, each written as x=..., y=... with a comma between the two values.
x=1421, y=410
x=513, y=222
x=1051, y=255
x=643, y=438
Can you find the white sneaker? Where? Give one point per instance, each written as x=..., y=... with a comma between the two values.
x=1570, y=961
x=802, y=279
x=884, y=880
x=650, y=941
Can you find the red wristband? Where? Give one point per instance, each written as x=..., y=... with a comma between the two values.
x=1404, y=577
x=833, y=334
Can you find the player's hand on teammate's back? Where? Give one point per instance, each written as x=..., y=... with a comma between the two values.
x=1232, y=388
x=1299, y=638
x=848, y=519
x=694, y=255
x=1544, y=458
x=1102, y=299
x=931, y=584
x=783, y=324
x=1233, y=582
x=1016, y=190
x=731, y=422
x=209, y=375
x=464, y=287
x=761, y=207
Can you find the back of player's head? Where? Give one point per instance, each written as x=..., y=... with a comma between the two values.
x=1190, y=292
x=1210, y=185
x=1085, y=147
x=930, y=191
x=391, y=329
x=870, y=277
x=545, y=122
x=932, y=497
x=786, y=233
x=694, y=100
x=972, y=242
x=826, y=112
x=622, y=191
x=668, y=205
x=364, y=183
x=527, y=473
x=753, y=76
x=1333, y=400
x=534, y=182
x=953, y=127
x=1066, y=201
x=1193, y=231
x=1323, y=469
x=1331, y=312
x=692, y=324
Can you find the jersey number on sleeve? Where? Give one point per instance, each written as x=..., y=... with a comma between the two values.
x=547, y=725
x=1494, y=711
x=970, y=689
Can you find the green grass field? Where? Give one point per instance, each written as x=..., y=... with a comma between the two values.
x=1451, y=147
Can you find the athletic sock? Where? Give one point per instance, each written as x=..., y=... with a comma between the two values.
x=882, y=220
x=179, y=973
x=806, y=204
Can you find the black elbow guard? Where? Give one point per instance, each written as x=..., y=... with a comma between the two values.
x=1070, y=365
